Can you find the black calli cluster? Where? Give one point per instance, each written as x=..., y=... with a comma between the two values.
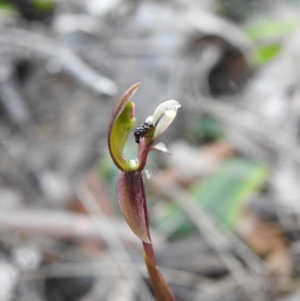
x=142, y=130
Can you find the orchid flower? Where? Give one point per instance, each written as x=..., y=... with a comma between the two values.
x=130, y=186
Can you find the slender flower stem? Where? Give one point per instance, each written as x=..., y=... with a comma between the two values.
x=160, y=287
x=143, y=150
x=148, y=248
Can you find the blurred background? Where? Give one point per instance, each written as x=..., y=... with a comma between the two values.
x=224, y=208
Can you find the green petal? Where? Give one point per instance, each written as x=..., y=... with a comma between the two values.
x=121, y=123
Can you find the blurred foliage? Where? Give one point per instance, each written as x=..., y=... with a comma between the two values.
x=222, y=194
x=225, y=192
x=267, y=34
x=203, y=129
x=265, y=53
x=6, y=7
x=43, y=4
x=271, y=29
x=30, y=10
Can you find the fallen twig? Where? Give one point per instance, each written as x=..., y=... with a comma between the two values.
x=64, y=225
x=70, y=62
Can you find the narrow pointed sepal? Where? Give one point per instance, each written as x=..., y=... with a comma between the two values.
x=161, y=147
x=159, y=285
x=132, y=202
